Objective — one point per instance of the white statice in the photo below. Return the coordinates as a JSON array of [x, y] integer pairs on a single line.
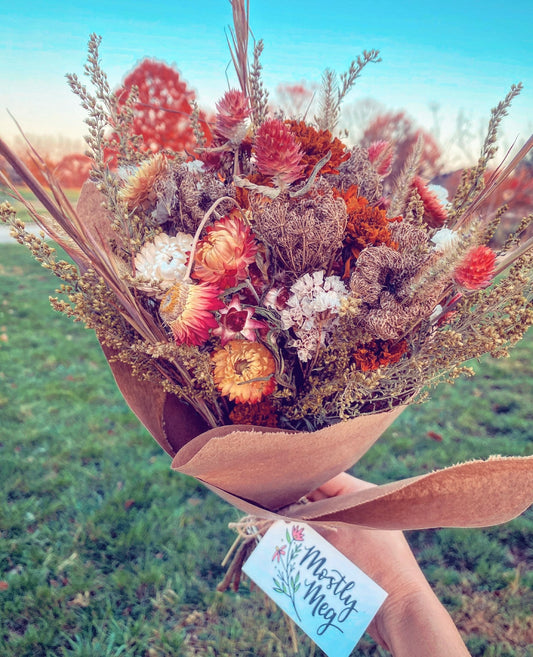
[[444, 239], [312, 311], [159, 264]]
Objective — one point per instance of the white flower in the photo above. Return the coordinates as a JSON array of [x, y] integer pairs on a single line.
[[437, 312], [163, 262], [444, 239], [312, 310]]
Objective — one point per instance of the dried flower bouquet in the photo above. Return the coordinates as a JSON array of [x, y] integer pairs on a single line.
[[268, 309]]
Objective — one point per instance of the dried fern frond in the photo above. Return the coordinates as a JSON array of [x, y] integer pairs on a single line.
[[199, 134], [109, 122], [402, 186], [472, 182], [333, 93], [258, 93]]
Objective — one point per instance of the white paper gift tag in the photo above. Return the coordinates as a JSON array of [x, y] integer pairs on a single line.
[[329, 597]]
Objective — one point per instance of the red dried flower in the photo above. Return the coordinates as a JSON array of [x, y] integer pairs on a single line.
[[380, 154], [476, 271], [366, 226], [232, 111], [236, 321], [277, 153], [434, 213], [379, 353], [223, 255], [315, 145], [260, 414]]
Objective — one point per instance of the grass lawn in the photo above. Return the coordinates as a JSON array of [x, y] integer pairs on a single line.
[[105, 552], [22, 213]]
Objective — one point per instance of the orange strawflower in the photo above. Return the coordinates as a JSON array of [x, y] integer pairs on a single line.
[[188, 310], [244, 371], [223, 255], [476, 271], [140, 187], [315, 145], [379, 353], [366, 226]]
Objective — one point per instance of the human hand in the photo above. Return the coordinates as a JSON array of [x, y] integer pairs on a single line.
[[411, 622]]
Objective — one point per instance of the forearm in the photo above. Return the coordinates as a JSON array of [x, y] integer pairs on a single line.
[[418, 627]]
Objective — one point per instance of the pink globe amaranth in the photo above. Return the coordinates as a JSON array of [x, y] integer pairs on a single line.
[[277, 153], [476, 271]]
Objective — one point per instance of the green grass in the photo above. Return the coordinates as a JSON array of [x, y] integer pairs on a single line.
[[22, 212], [104, 551]]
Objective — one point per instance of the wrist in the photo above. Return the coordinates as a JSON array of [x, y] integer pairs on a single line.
[[417, 625]]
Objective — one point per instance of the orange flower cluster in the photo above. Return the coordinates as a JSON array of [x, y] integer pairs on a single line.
[[366, 226], [379, 353], [316, 144], [260, 414]]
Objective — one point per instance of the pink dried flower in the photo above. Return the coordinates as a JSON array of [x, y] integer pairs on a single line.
[[380, 154], [236, 321], [232, 111], [276, 298], [476, 271], [188, 311], [434, 213], [277, 153]]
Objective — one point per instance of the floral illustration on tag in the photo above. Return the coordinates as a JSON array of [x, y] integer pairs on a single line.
[[287, 581]]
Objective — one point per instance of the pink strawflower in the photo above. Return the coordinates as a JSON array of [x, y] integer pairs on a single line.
[[476, 271], [380, 154], [277, 153], [434, 213], [223, 255], [236, 321], [188, 311], [233, 111]]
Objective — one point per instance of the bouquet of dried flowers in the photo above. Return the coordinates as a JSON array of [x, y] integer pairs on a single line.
[[272, 280]]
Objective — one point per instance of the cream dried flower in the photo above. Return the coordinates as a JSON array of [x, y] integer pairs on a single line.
[[445, 239], [163, 262], [312, 311]]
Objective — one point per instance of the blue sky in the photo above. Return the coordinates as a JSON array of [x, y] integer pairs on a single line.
[[458, 55]]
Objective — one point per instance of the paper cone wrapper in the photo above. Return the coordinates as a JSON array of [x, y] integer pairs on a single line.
[[265, 472]]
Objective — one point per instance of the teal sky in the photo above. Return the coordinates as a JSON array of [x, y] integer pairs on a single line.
[[460, 56]]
